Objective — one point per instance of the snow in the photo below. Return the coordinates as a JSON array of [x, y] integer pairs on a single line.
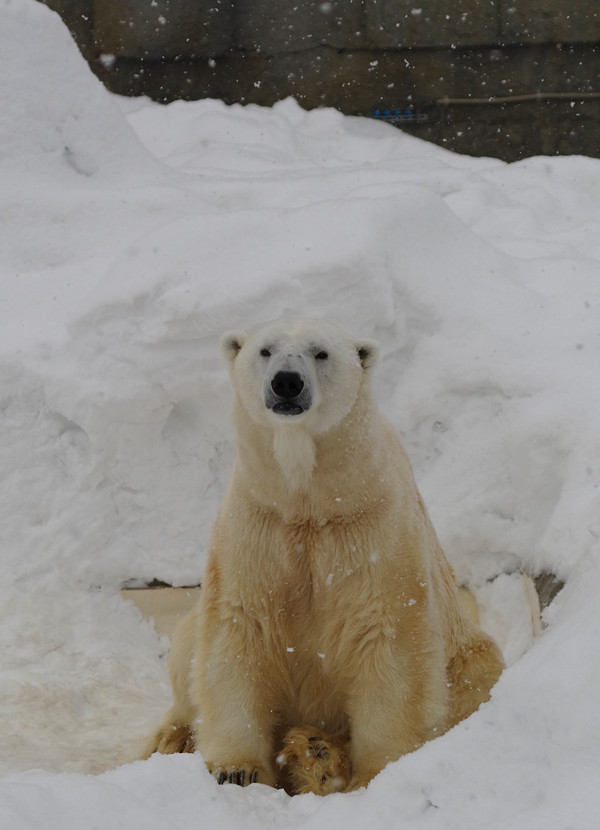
[[132, 237]]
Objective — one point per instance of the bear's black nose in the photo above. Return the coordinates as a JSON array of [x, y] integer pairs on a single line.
[[287, 385]]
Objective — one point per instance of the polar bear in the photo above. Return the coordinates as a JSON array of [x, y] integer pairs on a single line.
[[328, 639]]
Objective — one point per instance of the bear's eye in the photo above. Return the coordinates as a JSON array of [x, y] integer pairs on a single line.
[[265, 353], [321, 356]]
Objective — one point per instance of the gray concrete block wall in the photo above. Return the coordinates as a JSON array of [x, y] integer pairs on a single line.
[[157, 29], [162, 29], [396, 24], [464, 64], [550, 21], [273, 27]]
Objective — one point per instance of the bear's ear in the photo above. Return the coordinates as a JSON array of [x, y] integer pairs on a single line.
[[231, 344], [368, 352]]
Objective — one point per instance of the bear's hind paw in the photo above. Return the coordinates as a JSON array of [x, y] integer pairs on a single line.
[[171, 738], [314, 762]]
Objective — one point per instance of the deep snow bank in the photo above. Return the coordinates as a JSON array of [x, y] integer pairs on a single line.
[[124, 259]]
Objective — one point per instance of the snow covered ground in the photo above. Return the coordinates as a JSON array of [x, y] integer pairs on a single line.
[[132, 236]]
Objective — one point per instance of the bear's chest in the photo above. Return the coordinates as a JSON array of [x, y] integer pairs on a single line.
[[328, 572]]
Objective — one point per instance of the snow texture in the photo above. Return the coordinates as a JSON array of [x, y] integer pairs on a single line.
[[132, 237]]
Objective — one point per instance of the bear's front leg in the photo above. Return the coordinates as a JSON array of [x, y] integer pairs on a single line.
[[398, 705], [235, 701], [236, 747], [377, 739]]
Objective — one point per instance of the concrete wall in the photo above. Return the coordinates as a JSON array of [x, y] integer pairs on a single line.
[[461, 66]]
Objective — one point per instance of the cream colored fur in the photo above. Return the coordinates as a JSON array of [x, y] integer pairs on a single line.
[[295, 453], [327, 601]]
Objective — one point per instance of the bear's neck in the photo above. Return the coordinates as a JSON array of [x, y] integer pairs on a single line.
[[307, 477], [295, 452]]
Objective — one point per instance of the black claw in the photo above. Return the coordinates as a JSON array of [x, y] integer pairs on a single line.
[[236, 777]]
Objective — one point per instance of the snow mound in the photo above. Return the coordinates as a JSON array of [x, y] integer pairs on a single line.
[[133, 235], [54, 113]]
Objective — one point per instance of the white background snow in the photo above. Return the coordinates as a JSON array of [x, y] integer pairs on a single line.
[[132, 237]]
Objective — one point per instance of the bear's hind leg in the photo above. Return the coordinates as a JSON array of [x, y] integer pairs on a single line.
[[174, 735], [176, 732], [472, 672]]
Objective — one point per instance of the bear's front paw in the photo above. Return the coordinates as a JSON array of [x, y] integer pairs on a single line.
[[242, 776], [314, 762]]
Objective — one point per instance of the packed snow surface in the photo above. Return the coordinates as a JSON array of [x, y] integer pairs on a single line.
[[132, 237]]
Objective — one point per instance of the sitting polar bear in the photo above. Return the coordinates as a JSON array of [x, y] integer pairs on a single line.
[[329, 638]]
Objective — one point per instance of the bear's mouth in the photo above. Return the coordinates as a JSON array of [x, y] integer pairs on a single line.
[[287, 408]]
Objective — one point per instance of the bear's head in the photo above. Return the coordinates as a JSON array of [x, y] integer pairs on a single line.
[[298, 372]]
